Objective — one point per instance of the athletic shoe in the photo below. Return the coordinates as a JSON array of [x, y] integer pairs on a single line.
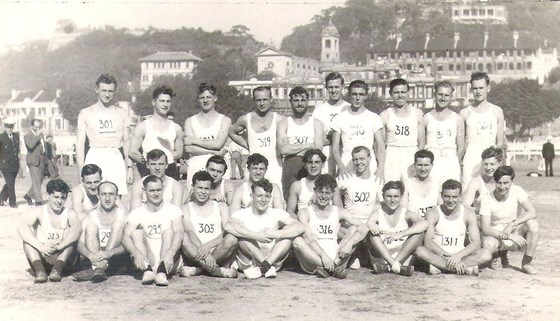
[[83, 276], [355, 264], [529, 269], [505, 263], [380, 268], [55, 276], [320, 272], [229, 273], [161, 279], [253, 272], [340, 272], [432, 270], [473, 270], [496, 263], [40, 277], [98, 276], [271, 273], [148, 277], [189, 271], [407, 270]]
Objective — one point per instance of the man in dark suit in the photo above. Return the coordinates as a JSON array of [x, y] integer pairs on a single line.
[[35, 159], [9, 163], [548, 155]]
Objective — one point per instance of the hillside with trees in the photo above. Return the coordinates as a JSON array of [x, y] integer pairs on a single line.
[[362, 23], [75, 66]]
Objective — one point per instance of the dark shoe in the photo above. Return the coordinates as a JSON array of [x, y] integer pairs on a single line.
[[340, 272], [40, 277], [13, 206], [55, 276], [380, 268], [406, 270], [320, 272], [82, 276], [28, 199], [98, 276]]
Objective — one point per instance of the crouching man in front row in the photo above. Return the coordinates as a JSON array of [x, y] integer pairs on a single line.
[[448, 226], [154, 233], [205, 245], [49, 233], [265, 234], [319, 251]]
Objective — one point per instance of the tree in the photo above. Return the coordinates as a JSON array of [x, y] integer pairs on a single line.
[[525, 104], [554, 75]]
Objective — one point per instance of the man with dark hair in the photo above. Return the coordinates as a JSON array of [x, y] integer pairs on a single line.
[[50, 157], [449, 225], [483, 184], [49, 233], [156, 161], [509, 221], [206, 132], [445, 133], [35, 159], [422, 191], [405, 132], [158, 132], [484, 125], [260, 128], [295, 135], [221, 188], [357, 126], [9, 163], [107, 128], [257, 166], [205, 244], [326, 113], [160, 235], [265, 234], [101, 238], [548, 155], [319, 251]]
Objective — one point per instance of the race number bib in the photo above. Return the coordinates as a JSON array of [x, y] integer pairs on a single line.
[[325, 231], [443, 136], [154, 231], [361, 197], [447, 240], [357, 130], [483, 127], [264, 141], [204, 228], [106, 125], [402, 130], [423, 210], [104, 235], [54, 235]]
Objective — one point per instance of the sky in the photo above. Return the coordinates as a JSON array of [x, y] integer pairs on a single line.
[[268, 20]]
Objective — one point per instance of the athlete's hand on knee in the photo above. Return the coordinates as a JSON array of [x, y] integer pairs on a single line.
[[391, 237], [453, 261], [203, 252], [44, 249], [344, 251], [518, 240], [374, 229]]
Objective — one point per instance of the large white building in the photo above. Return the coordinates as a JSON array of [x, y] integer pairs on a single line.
[[281, 64], [166, 64], [476, 12]]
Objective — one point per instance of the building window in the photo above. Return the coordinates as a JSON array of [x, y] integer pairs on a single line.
[[456, 12], [466, 12], [510, 67], [500, 66], [480, 67], [489, 67], [490, 12], [458, 67], [145, 78], [482, 12], [327, 43], [439, 67], [529, 65], [481, 53], [450, 67], [519, 66]]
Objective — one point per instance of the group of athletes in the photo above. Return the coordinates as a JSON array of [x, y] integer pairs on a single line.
[[340, 188]]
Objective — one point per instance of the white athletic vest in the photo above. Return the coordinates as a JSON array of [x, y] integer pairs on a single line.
[[263, 143], [450, 234], [104, 232], [301, 134], [324, 229], [402, 132], [360, 195], [441, 134], [421, 204], [161, 140], [87, 204], [46, 232], [305, 196], [482, 128], [206, 228], [154, 223], [386, 227]]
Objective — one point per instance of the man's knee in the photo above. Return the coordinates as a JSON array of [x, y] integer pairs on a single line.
[[532, 226], [230, 241], [490, 243], [298, 244]]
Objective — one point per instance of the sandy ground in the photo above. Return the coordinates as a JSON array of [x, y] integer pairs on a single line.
[[507, 294]]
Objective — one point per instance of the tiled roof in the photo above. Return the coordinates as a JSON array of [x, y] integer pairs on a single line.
[[276, 51], [36, 96], [171, 56], [466, 42]]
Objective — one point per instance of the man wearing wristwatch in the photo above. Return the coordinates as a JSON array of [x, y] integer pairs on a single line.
[[504, 227]]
